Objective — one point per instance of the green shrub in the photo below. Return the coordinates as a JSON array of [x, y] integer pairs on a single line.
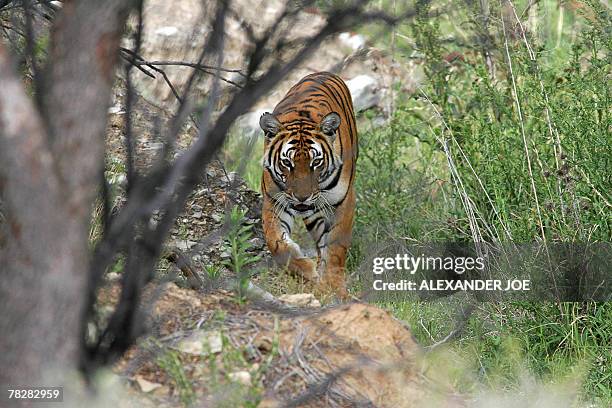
[[522, 157]]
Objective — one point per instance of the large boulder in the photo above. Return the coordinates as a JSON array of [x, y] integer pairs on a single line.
[[364, 91]]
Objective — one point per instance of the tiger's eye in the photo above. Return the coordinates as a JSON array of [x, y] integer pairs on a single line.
[[286, 163], [316, 162]]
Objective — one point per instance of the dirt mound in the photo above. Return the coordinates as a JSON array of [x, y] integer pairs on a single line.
[[232, 353], [353, 354]]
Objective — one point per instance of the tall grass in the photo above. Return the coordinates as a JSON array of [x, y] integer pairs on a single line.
[[519, 156]]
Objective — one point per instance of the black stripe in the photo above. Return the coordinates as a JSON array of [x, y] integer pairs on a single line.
[[271, 149], [335, 181], [284, 224], [320, 238], [312, 224], [348, 106]]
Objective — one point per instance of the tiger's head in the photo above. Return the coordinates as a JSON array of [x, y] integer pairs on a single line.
[[301, 159]]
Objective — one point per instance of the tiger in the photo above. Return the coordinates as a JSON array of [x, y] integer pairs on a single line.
[[310, 152]]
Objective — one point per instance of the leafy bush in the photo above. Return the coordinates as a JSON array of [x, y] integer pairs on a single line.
[[522, 156]]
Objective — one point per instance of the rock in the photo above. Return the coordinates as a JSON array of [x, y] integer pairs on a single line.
[[197, 215], [269, 402], [201, 192], [184, 245], [167, 31], [202, 343], [379, 121], [237, 78], [352, 40], [234, 178], [217, 217], [365, 92], [56, 5], [155, 147], [300, 300], [145, 385], [112, 276], [115, 110], [256, 242], [248, 124], [119, 180], [242, 377]]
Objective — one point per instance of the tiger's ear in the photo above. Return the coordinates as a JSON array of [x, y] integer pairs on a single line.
[[329, 124], [269, 124]]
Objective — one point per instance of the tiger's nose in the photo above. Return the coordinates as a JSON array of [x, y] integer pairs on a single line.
[[302, 203], [302, 198]]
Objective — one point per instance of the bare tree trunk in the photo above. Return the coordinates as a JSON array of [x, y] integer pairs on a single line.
[[51, 158]]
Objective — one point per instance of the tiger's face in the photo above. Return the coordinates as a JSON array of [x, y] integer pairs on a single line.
[[300, 159]]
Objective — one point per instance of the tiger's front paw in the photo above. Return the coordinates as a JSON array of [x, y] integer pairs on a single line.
[[334, 282], [305, 268]]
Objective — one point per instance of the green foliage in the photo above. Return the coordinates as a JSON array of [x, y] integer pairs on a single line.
[[521, 157], [244, 157], [171, 363], [238, 244], [530, 144], [213, 272], [556, 342]]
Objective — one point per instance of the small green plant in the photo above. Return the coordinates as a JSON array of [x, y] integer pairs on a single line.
[[213, 271], [172, 365], [238, 245]]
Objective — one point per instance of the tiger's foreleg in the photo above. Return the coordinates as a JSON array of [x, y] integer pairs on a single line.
[[277, 232], [333, 243]]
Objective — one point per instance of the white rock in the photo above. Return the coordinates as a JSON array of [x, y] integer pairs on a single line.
[[248, 124], [167, 31], [119, 180], [354, 41], [56, 5], [184, 244], [113, 276], [145, 385], [202, 343], [115, 110], [300, 300], [242, 377], [365, 92]]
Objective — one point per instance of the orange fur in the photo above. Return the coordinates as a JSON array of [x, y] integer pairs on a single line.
[[309, 170]]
